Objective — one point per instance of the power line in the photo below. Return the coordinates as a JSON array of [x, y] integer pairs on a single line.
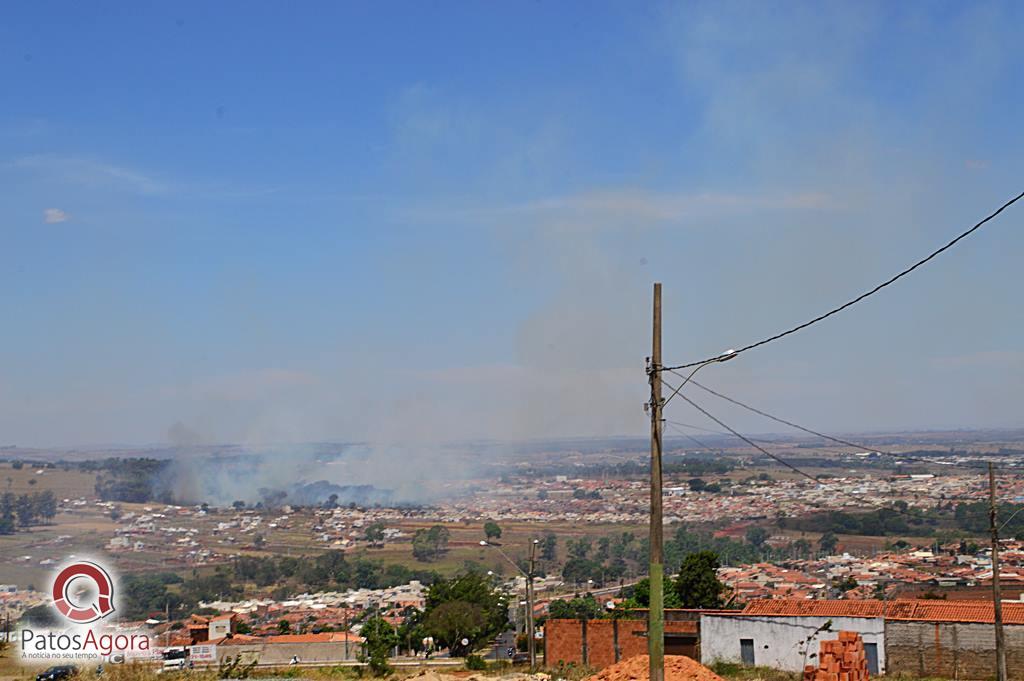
[[967, 500], [798, 471], [755, 439], [864, 295], [680, 431], [837, 440], [690, 425], [1012, 516]]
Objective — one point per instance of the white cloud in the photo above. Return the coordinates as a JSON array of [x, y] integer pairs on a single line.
[[90, 173], [52, 216]]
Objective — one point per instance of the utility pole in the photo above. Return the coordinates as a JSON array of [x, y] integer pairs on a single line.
[[346, 631], [656, 611], [997, 602], [531, 643]]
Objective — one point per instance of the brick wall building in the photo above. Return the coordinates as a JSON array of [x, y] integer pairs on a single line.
[[932, 638], [954, 639], [600, 643]]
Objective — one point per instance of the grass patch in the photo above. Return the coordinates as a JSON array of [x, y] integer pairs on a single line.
[[734, 671], [571, 672]]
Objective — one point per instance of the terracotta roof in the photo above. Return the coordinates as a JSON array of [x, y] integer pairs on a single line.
[[909, 610], [325, 637], [955, 611], [233, 640], [813, 608]]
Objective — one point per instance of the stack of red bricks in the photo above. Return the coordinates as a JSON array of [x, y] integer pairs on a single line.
[[840, 660]]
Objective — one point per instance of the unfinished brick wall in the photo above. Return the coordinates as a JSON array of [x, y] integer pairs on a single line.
[[563, 642], [840, 660], [594, 642], [951, 649]]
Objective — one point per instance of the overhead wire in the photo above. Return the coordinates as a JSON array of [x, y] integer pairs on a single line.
[[798, 471], [847, 443], [864, 295], [1012, 516], [810, 449], [689, 437], [755, 439]]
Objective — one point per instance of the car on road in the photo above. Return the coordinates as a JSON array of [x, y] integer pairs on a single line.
[[170, 666], [58, 673]]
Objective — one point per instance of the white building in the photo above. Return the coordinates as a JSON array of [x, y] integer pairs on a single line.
[[785, 634]]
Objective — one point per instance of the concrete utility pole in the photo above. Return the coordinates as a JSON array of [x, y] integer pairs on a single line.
[[997, 599], [656, 612], [531, 642]]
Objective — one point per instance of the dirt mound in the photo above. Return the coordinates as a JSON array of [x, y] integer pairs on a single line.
[[677, 668]]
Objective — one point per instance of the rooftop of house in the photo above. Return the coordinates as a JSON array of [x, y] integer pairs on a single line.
[[907, 610]]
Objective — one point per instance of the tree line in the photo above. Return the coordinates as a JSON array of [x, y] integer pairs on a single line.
[[22, 511]]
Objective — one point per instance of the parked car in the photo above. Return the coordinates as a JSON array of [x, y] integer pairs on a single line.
[[172, 666], [58, 673]]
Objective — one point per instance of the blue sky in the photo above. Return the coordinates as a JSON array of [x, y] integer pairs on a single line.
[[426, 221]]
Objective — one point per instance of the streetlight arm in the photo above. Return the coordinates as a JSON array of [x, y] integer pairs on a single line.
[[503, 555]]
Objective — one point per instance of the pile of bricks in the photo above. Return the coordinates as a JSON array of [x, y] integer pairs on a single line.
[[840, 660]]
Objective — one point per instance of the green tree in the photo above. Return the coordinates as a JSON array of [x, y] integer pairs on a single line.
[[284, 626], [375, 534], [801, 548], [846, 584], [466, 606], [828, 543], [757, 536], [548, 546], [584, 607], [579, 548], [452, 623], [25, 510], [380, 639], [430, 544], [43, 615], [641, 596], [492, 530], [146, 594], [580, 570], [697, 585]]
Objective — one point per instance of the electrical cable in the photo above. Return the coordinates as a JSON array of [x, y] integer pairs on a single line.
[[1012, 516], [860, 500], [864, 295], [966, 500], [837, 440], [680, 431]]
